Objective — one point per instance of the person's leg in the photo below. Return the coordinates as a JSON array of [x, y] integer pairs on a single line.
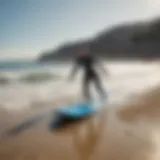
[[85, 88], [99, 87]]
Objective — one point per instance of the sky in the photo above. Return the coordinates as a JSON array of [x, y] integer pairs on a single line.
[[29, 27]]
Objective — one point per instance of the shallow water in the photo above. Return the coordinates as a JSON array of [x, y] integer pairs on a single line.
[[124, 79], [108, 135]]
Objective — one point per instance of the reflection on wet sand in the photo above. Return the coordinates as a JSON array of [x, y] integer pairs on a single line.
[[110, 135], [85, 146], [86, 137], [128, 141]]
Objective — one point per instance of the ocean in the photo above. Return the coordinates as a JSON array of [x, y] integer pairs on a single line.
[[28, 71], [17, 66], [26, 84]]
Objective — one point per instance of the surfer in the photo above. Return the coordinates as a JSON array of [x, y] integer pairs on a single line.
[[85, 60]]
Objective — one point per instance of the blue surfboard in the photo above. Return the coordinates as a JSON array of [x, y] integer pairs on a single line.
[[75, 112]]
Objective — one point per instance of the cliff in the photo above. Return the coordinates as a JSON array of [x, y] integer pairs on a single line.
[[139, 40]]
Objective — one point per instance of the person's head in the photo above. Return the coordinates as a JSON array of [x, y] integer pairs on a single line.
[[83, 50]]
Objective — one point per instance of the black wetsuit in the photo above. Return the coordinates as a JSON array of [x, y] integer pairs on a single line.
[[90, 75]]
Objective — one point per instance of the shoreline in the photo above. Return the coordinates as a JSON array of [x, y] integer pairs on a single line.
[[129, 130], [119, 133]]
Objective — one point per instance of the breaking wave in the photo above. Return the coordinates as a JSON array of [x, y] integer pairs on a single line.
[[33, 77]]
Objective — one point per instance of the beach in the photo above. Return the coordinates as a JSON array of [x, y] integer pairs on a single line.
[[126, 128]]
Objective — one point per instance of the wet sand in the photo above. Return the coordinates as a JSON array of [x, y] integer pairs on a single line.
[[130, 132]]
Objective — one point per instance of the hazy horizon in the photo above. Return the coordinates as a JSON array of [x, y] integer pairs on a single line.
[[30, 27]]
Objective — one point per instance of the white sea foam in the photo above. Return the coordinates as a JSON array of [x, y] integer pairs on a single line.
[[124, 79]]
